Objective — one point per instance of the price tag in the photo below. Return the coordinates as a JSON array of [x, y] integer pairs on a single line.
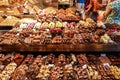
[[69, 65], [17, 34], [44, 56], [106, 64], [34, 29], [51, 65], [2, 66], [74, 58], [72, 62], [30, 35], [103, 54], [47, 30], [84, 66]]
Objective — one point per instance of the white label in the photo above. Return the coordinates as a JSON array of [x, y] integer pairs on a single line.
[[103, 54], [30, 35], [44, 56], [69, 65], [51, 65], [1, 66], [17, 34], [47, 30], [84, 66], [106, 64]]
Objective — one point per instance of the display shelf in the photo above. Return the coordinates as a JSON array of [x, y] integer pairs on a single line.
[[20, 15], [5, 27], [25, 16], [75, 20], [61, 48]]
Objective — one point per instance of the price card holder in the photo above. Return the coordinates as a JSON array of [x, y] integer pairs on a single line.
[[84, 66], [106, 64], [51, 65], [68, 65], [44, 57], [103, 54]]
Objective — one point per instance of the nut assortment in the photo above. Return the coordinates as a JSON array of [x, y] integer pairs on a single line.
[[104, 59], [105, 72], [82, 59], [115, 71], [57, 73], [50, 29], [60, 67], [19, 73], [92, 59], [44, 72], [114, 59], [68, 14], [62, 33], [9, 69]]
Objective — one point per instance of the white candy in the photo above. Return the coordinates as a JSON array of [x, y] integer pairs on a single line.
[[23, 26], [37, 25]]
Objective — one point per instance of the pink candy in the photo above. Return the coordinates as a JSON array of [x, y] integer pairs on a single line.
[[30, 25]]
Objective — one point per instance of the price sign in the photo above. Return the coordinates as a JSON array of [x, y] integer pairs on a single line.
[[51, 65], [103, 54], [106, 64], [84, 66]]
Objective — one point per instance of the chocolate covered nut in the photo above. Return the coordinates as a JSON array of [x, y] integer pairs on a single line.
[[9, 69]]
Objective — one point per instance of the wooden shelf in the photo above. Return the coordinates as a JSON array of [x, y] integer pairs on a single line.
[[5, 27], [20, 15], [61, 48]]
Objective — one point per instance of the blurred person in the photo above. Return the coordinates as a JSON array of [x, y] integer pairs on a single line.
[[87, 2], [81, 8], [80, 5], [112, 12], [104, 2], [93, 9]]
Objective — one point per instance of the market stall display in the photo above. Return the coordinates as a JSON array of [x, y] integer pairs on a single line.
[[61, 66], [40, 33], [60, 32], [48, 31]]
